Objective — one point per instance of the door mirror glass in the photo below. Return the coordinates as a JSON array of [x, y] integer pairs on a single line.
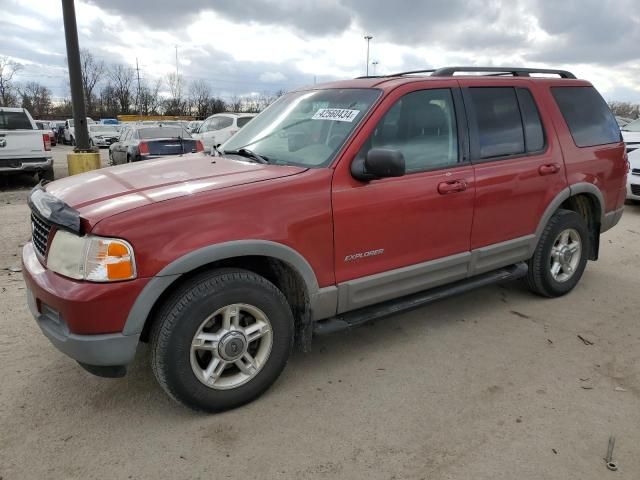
[[379, 163]]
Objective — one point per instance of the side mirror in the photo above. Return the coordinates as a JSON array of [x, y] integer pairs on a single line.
[[379, 163]]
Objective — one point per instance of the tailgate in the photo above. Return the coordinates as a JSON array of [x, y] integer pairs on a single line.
[[170, 146], [22, 144]]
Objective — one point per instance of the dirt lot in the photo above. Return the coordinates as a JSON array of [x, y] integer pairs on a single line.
[[495, 384]]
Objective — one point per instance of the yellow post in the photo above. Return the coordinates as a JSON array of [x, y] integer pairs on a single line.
[[80, 162]]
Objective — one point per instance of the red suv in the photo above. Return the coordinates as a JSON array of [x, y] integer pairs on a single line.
[[338, 204]]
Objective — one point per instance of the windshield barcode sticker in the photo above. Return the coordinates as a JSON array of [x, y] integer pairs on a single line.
[[338, 114]]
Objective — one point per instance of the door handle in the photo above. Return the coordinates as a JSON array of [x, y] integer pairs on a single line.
[[451, 186], [549, 169]]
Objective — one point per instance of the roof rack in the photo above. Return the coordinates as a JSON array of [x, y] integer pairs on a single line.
[[494, 71]]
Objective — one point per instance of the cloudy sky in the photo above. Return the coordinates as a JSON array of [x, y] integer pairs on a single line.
[[244, 46]]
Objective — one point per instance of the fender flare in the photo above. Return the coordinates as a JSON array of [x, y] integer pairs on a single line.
[[241, 248], [559, 199]]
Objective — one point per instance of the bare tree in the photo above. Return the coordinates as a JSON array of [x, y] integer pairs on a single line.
[[92, 73], [150, 100], [200, 95], [122, 77], [174, 105], [625, 109], [235, 103], [36, 98], [8, 69]]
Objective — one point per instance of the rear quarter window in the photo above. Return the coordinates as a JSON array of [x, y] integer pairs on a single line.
[[587, 115]]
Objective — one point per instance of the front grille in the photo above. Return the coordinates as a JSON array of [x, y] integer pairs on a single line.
[[635, 171], [40, 229], [635, 189]]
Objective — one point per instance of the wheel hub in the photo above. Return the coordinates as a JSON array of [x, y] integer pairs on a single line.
[[566, 255], [232, 346]]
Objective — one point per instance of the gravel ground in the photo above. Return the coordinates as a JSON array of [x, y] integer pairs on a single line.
[[494, 384]]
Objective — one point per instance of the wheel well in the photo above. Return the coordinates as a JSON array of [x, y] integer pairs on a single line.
[[588, 207], [280, 273]]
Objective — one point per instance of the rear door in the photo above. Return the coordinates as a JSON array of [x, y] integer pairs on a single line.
[[518, 168]]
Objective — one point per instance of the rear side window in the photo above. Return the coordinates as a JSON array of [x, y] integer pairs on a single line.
[[587, 115], [14, 121], [242, 121], [499, 124]]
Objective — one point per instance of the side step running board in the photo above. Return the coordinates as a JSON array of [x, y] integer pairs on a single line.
[[410, 302]]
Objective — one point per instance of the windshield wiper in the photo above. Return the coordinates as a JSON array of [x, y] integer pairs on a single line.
[[245, 152]]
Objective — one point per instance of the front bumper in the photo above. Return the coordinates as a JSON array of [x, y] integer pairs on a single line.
[[79, 317], [25, 164]]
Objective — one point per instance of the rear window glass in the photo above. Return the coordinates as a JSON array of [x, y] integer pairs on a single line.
[[14, 121], [162, 132], [242, 121], [587, 115]]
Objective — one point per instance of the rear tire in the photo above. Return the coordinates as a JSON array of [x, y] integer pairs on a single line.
[[560, 256], [189, 339], [46, 175], [73, 142]]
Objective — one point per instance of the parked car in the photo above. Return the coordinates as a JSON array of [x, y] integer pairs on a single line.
[[103, 135], [109, 121], [220, 127], [193, 126], [631, 135], [142, 142], [69, 130], [46, 126], [23, 147], [338, 204], [622, 121], [633, 179], [58, 128]]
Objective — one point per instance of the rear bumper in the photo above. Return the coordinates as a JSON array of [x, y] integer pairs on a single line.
[[83, 320], [25, 164]]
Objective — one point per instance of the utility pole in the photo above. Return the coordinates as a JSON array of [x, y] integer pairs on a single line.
[[75, 75], [368, 39], [139, 100], [176, 63], [374, 63]]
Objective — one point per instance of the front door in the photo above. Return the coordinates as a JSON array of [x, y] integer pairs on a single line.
[[396, 236]]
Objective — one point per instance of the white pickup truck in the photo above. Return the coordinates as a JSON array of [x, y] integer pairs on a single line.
[[70, 131], [24, 148]]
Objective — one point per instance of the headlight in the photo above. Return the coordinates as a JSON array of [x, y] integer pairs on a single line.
[[96, 259]]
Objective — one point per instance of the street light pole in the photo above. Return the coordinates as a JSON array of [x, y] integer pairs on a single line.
[[375, 64], [75, 75], [368, 39]]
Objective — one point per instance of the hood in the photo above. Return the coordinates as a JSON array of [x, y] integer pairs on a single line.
[[101, 193]]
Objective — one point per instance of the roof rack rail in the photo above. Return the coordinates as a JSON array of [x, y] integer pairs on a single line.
[[493, 71], [497, 71]]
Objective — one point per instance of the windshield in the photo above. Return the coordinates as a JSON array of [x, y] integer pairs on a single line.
[[103, 129], [162, 132], [305, 128], [633, 126]]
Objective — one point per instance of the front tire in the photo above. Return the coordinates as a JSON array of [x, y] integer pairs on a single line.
[[560, 256], [221, 340]]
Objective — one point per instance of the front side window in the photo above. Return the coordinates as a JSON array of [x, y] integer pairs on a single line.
[[305, 128], [587, 115], [422, 126], [499, 125]]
